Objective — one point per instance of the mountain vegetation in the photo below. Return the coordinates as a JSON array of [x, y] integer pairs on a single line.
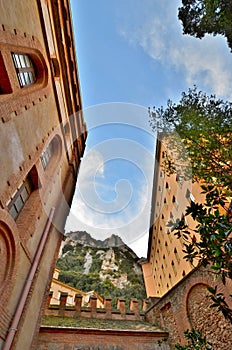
[[109, 267]]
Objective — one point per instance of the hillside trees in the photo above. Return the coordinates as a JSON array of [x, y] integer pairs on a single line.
[[200, 17], [71, 263]]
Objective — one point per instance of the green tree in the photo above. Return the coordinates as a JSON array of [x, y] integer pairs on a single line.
[[198, 127], [203, 124], [200, 17], [195, 341]]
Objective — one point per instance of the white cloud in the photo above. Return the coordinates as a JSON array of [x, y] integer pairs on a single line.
[[92, 166], [132, 225], [126, 215], [205, 62]]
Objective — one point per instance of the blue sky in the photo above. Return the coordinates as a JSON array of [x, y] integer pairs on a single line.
[[132, 54]]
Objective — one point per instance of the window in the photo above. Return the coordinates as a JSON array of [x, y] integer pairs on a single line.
[[165, 262], [190, 196], [174, 268], [20, 197], [47, 155], [177, 255], [24, 68], [179, 179], [175, 202], [168, 188], [166, 245]]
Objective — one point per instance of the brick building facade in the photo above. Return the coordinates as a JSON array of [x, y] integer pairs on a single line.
[[172, 193], [42, 138], [178, 291]]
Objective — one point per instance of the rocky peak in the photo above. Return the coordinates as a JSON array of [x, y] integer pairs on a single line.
[[85, 239], [113, 241], [110, 267]]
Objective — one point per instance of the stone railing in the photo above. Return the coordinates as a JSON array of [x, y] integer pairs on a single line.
[[91, 311]]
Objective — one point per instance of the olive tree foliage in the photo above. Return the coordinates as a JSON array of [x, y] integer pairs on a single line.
[[200, 17], [203, 124]]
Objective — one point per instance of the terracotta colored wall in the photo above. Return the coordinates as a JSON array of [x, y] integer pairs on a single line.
[[97, 340], [186, 306], [30, 118]]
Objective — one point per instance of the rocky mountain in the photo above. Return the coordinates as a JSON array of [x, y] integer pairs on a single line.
[[109, 267], [86, 239]]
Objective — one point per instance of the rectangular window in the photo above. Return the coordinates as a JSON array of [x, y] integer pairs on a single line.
[[190, 196], [177, 255], [168, 188], [167, 247], [180, 179], [47, 155], [24, 68], [174, 268], [20, 197]]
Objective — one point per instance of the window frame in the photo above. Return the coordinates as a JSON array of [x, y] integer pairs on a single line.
[[25, 68], [47, 155], [20, 197]]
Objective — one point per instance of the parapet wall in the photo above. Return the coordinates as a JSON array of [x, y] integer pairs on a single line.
[[91, 311]]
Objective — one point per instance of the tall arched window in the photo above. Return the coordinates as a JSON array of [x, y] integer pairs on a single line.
[[51, 155], [24, 68], [47, 154]]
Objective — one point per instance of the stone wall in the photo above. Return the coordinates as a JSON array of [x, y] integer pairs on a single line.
[[107, 312], [67, 327], [72, 339], [187, 306]]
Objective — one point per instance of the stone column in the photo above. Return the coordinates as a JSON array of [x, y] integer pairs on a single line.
[[121, 306], [108, 307], [134, 306], [78, 304]]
